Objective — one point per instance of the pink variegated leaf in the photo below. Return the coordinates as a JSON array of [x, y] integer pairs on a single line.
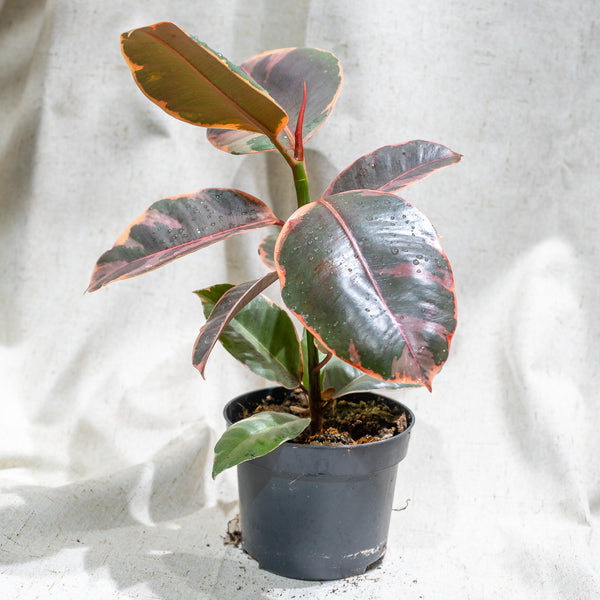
[[283, 73], [192, 82], [392, 168], [266, 249], [261, 335], [224, 311], [174, 227], [374, 286]]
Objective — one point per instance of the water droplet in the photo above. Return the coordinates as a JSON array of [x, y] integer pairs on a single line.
[[415, 262], [395, 250], [419, 256]]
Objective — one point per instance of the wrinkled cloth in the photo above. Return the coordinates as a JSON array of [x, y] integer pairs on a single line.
[[107, 430]]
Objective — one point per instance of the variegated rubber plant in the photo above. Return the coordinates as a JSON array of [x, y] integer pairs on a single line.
[[361, 269]]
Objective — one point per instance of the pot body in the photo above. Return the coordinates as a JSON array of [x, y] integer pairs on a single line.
[[318, 512]]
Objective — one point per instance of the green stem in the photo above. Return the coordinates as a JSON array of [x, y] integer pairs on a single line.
[[301, 183], [313, 367], [315, 402]]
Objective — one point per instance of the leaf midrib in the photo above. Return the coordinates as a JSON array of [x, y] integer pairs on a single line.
[[259, 344], [358, 252], [139, 262], [261, 126]]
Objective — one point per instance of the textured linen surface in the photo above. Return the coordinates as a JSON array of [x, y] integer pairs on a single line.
[[107, 430]]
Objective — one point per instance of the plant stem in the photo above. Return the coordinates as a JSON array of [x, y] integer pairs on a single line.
[[291, 161], [313, 367], [301, 183], [315, 403]]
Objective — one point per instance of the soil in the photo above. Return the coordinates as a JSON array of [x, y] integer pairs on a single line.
[[233, 537], [347, 421]]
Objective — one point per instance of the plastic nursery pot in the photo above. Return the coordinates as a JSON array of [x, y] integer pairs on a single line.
[[318, 512]]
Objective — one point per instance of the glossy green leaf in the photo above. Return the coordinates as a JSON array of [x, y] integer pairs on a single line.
[[193, 83], [283, 74], [346, 379], [228, 306], [392, 168], [365, 273], [174, 227], [255, 436], [266, 249], [261, 336]]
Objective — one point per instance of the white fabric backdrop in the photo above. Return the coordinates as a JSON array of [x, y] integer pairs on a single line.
[[106, 431]]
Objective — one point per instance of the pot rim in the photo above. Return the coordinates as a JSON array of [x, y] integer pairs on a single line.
[[340, 447]]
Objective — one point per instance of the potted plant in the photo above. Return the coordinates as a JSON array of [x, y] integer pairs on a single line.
[[361, 270]]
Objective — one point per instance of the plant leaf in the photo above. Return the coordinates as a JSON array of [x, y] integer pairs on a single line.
[[346, 379], [365, 272], [255, 436], [176, 226], [229, 305], [193, 83], [391, 168], [266, 249], [282, 73], [261, 336]]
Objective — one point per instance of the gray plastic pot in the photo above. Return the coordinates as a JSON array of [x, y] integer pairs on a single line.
[[318, 512]]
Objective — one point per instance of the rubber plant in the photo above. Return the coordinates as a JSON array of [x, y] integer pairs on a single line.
[[361, 269]]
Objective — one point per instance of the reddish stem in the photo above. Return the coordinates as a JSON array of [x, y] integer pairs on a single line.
[[299, 146], [323, 362]]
